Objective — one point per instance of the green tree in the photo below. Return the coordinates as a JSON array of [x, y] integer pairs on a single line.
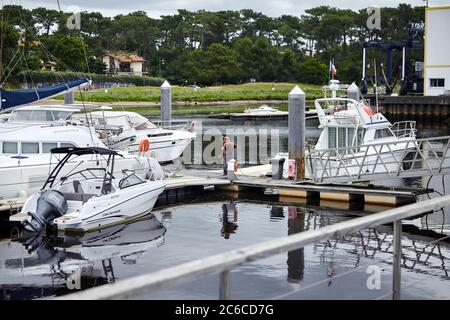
[[312, 71], [217, 64], [70, 54]]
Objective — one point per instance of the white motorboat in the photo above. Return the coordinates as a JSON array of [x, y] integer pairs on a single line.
[[264, 110], [90, 198], [166, 144]]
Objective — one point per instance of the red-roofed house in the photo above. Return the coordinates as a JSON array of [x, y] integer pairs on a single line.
[[122, 63]]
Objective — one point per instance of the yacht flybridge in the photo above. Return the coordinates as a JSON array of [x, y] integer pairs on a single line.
[[92, 197]]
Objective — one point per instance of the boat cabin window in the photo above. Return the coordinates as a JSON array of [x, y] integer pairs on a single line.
[[383, 133], [47, 146], [10, 147], [39, 115], [30, 147], [343, 137], [67, 145]]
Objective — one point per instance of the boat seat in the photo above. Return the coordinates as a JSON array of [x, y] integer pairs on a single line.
[[78, 196]]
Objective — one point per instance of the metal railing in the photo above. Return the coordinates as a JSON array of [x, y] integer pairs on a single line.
[[175, 124], [399, 159], [223, 262], [404, 129]]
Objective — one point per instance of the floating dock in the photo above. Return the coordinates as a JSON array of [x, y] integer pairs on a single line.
[[257, 180]]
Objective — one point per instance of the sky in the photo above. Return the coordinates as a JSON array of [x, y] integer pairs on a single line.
[[156, 8]]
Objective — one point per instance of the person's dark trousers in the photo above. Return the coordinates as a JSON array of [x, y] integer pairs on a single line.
[[225, 168]]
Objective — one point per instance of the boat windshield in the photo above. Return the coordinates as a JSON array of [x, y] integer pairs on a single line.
[[141, 123], [40, 115], [331, 107], [86, 174]]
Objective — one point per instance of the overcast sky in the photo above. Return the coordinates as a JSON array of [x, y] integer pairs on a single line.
[[156, 8]]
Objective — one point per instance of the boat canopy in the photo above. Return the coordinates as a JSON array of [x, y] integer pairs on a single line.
[[10, 99], [83, 151]]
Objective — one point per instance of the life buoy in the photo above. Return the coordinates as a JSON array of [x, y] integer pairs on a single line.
[[144, 145], [368, 110]]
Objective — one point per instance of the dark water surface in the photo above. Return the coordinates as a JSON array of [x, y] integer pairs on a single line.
[[335, 269]]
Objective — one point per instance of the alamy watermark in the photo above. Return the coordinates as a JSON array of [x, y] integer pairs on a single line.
[[74, 21], [373, 282], [374, 20]]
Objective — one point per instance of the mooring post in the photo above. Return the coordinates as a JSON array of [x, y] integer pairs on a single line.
[[397, 263], [166, 102], [224, 288], [296, 142], [353, 92], [69, 97]]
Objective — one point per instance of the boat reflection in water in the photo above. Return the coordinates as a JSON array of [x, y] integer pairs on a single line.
[[37, 266]]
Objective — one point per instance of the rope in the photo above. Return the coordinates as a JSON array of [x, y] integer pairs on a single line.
[[84, 108]]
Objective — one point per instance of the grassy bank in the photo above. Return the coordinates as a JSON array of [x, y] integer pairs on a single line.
[[248, 91]]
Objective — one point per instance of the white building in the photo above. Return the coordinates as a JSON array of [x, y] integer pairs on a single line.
[[437, 49], [124, 63]]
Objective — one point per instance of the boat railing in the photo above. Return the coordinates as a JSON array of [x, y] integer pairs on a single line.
[[404, 129], [223, 263], [396, 159], [175, 124]]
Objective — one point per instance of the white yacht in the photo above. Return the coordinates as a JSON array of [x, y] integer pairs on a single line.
[[356, 137], [165, 144], [90, 198]]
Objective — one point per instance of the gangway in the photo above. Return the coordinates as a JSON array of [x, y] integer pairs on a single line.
[[379, 161]]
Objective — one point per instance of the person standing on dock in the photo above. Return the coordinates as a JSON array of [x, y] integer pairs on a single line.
[[228, 153]]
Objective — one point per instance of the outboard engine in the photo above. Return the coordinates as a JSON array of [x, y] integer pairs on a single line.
[[50, 205]]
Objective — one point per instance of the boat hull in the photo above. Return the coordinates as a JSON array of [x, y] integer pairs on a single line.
[[115, 208], [164, 150]]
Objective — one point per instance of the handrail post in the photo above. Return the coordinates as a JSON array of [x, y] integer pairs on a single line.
[[397, 263], [224, 288]]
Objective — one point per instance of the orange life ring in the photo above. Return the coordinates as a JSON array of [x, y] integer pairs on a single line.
[[369, 110], [144, 145]]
